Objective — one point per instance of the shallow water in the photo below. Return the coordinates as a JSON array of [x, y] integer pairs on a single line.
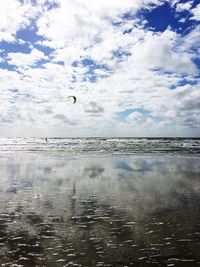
[[99, 211]]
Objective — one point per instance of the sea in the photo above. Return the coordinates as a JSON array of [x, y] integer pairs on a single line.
[[99, 202], [102, 146]]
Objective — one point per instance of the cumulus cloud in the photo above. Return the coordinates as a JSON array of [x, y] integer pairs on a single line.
[[184, 6], [160, 51], [196, 12], [94, 109], [80, 21], [110, 62], [25, 59], [135, 117], [64, 119], [15, 15]]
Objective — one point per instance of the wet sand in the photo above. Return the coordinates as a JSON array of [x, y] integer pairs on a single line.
[[99, 211]]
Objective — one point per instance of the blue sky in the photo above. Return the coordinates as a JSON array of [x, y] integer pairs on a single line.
[[134, 67]]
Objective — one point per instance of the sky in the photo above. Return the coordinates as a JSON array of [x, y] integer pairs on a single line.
[[134, 66]]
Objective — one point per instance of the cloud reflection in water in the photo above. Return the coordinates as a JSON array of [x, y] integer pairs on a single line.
[[103, 211]]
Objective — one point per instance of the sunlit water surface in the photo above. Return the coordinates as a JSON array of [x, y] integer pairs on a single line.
[[99, 211]]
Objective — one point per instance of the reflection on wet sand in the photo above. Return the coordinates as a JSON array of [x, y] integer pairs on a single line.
[[103, 211]]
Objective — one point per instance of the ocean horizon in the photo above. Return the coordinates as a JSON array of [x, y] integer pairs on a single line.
[[103, 145]]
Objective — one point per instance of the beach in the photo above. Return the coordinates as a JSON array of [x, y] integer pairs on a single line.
[[58, 209], [99, 133]]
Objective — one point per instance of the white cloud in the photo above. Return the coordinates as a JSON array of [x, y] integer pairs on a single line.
[[184, 6], [135, 118], [140, 68], [14, 16], [182, 20], [25, 59], [80, 22], [160, 51], [190, 43], [196, 12]]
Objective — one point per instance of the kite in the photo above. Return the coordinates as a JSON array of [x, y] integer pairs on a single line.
[[74, 98]]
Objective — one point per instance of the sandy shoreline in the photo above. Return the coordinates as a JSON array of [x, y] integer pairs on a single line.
[[99, 211]]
